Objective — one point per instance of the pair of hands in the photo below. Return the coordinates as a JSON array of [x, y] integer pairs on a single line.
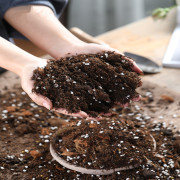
[[83, 48], [39, 24]]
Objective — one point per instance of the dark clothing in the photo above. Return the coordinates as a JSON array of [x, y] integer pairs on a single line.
[[7, 31]]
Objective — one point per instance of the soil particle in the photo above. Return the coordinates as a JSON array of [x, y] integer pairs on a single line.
[[23, 129], [176, 144], [167, 132], [35, 154], [45, 131], [167, 98], [147, 174]]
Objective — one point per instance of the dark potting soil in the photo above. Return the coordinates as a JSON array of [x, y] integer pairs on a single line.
[[106, 144], [26, 129], [91, 83]]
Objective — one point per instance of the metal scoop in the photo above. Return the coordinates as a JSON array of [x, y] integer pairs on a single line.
[[145, 64]]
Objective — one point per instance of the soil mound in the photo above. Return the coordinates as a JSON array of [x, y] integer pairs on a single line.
[[92, 83]]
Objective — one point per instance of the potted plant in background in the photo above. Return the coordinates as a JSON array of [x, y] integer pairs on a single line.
[[161, 13]]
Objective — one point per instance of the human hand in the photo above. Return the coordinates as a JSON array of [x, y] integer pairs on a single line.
[[81, 48], [28, 84]]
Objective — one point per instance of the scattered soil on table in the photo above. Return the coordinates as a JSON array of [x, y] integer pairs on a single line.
[[91, 83], [26, 156], [106, 144]]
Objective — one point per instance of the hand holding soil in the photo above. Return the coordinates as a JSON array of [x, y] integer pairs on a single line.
[[87, 85], [44, 99], [91, 83], [27, 83]]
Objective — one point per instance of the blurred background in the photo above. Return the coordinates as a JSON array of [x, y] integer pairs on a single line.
[[98, 16]]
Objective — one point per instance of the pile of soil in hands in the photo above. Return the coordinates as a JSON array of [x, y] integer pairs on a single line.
[[26, 129], [91, 83], [106, 144]]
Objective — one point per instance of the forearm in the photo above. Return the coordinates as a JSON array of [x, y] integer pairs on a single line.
[[39, 24], [13, 58]]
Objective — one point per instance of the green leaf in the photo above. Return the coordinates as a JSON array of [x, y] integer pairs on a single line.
[[161, 13]]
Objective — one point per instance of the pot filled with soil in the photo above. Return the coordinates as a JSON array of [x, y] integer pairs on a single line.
[[101, 147]]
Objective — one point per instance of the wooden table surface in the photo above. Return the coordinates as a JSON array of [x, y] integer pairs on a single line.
[[148, 38]]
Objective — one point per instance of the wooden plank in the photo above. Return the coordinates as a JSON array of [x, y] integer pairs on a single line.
[[148, 38]]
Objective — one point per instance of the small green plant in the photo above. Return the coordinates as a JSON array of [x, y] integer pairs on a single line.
[[161, 13]]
